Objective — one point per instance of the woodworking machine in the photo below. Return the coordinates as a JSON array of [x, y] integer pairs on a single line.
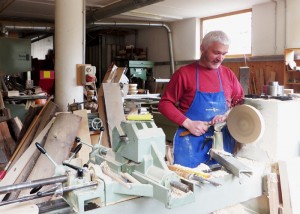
[[135, 168], [137, 154]]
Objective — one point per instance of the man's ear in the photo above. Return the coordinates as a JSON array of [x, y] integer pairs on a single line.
[[201, 48]]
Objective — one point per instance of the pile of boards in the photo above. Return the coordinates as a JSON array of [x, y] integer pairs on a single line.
[[56, 132]]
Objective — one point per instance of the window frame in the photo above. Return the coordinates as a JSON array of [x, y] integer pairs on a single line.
[[220, 16]]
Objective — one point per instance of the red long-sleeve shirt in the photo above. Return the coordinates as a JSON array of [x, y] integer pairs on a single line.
[[181, 89]]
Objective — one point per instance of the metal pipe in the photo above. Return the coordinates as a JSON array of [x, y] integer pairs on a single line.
[[141, 24], [13, 26], [32, 184], [24, 26], [65, 189], [275, 27], [83, 31]]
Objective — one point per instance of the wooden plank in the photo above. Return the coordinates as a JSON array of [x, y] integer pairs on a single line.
[[244, 78], [15, 125], [272, 76], [4, 153], [58, 145], [17, 174], [7, 139], [112, 75], [102, 115], [254, 85], [273, 193], [23, 207], [290, 185], [257, 82], [29, 118], [44, 115], [261, 79], [84, 135], [113, 106]]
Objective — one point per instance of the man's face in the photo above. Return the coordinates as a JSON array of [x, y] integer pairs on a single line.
[[213, 56]]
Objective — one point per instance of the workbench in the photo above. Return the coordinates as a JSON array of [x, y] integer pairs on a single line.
[[208, 198], [280, 140]]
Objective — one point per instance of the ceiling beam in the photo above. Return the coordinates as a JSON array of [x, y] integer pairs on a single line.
[[118, 8], [5, 4]]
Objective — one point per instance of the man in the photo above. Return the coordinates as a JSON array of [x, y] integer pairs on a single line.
[[198, 96]]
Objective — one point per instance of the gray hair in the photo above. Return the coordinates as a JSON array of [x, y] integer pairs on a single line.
[[215, 36]]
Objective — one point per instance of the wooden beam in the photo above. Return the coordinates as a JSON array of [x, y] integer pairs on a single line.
[[84, 135], [58, 145], [23, 166], [289, 182], [44, 116], [273, 192], [113, 106]]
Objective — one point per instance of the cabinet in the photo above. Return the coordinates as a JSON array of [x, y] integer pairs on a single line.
[[129, 53], [292, 69]]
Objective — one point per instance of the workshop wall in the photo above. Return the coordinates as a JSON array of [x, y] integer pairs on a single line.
[[156, 43], [186, 39], [185, 34], [264, 30], [271, 23], [292, 24], [268, 29]]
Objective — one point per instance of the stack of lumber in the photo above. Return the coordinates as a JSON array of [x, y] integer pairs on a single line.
[[259, 78], [56, 132], [283, 189]]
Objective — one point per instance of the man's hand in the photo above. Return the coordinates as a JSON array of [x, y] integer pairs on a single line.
[[218, 119], [196, 128]]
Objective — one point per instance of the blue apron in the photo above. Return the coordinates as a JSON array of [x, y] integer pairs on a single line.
[[189, 150]]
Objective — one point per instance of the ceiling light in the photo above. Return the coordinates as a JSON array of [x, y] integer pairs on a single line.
[[150, 15], [142, 15]]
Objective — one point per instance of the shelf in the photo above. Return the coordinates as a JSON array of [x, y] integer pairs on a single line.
[[292, 76], [293, 71], [293, 83]]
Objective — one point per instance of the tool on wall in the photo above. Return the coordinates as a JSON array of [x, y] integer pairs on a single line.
[[88, 74]]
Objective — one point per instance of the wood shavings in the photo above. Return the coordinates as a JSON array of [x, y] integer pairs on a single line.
[[176, 193]]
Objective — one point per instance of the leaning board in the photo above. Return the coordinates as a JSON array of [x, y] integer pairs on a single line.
[[290, 185]]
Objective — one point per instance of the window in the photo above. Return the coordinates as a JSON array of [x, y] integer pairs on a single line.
[[236, 25]]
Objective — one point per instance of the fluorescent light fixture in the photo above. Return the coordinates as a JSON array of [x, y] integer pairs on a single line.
[[142, 15], [150, 15]]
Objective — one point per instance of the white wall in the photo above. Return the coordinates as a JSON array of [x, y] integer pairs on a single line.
[[186, 39], [273, 29], [292, 24], [185, 36], [268, 29], [263, 30], [40, 48]]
